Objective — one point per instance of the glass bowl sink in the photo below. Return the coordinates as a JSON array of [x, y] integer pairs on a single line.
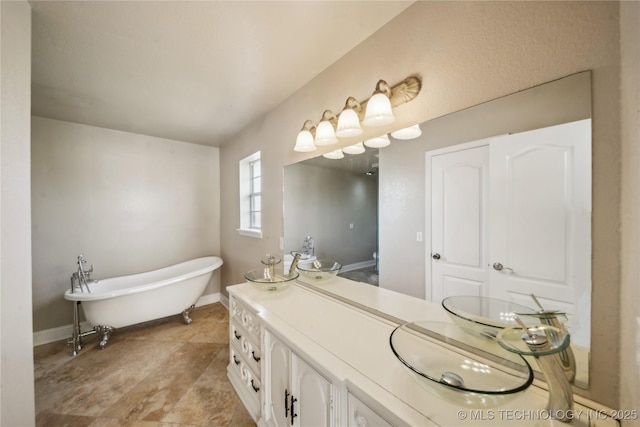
[[487, 315], [439, 355], [319, 270], [513, 339], [270, 280]]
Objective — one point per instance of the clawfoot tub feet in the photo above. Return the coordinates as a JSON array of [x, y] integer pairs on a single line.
[[186, 313], [106, 334]]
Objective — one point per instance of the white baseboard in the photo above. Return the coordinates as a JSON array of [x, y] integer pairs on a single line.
[[56, 334], [64, 332], [208, 299], [224, 300], [358, 265]]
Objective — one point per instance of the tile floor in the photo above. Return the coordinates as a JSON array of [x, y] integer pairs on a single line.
[[367, 275], [158, 374]]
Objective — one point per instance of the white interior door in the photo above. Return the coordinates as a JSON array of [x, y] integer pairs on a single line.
[[541, 220], [459, 221]]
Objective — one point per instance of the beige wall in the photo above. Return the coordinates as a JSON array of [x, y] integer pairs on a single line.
[[130, 203], [466, 53], [16, 344], [630, 219]]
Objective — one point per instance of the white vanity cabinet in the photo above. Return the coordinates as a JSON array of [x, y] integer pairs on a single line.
[[245, 356], [361, 415], [303, 358], [296, 393]]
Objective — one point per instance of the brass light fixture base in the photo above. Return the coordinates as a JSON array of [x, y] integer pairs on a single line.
[[405, 91]]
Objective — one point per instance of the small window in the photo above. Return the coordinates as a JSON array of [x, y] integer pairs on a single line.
[[251, 196], [254, 195]]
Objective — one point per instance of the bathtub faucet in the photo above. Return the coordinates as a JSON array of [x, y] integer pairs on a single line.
[[82, 276], [79, 282]]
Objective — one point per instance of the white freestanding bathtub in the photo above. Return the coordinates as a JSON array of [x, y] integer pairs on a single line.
[[121, 301]]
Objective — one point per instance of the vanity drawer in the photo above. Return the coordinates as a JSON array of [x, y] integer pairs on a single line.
[[361, 415], [248, 349], [246, 317], [250, 380]]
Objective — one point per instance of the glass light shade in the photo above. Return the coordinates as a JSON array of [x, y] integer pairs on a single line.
[[348, 124], [354, 149], [407, 133], [304, 142], [334, 155], [378, 111], [325, 135], [378, 142]]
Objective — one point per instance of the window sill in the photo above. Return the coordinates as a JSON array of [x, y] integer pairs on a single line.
[[250, 233]]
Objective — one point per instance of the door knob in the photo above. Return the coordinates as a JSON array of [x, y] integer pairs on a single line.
[[435, 256], [498, 266]]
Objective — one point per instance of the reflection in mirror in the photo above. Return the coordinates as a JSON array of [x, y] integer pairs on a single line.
[[390, 215], [335, 206]]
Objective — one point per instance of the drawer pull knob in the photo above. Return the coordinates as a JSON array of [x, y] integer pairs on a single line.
[[237, 335], [361, 421], [286, 403], [292, 410], [235, 360], [256, 389], [253, 354]]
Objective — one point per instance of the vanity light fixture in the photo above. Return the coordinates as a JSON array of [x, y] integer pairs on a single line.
[[304, 141], [378, 112], [378, 141], [354, 149], [407, 133], [334, 155], [325, 131], [348, 121]]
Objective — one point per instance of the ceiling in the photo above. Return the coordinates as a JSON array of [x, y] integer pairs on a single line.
[[194, 71]]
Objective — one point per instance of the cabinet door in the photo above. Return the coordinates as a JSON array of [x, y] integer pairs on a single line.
[[278, 382], [313, 394]]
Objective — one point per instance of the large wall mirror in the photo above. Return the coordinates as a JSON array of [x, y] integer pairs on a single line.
[[372, 211]]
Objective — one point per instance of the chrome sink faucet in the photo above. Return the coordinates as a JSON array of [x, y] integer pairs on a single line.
[[565, 357], [270, 261], [560, 404], [294, 263]]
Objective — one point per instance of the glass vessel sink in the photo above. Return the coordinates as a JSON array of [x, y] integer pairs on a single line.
[[319, 270], [438, 354], [513, 339], [488, 315], [269, 279]]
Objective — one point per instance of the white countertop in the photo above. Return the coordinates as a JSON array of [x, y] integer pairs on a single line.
[[353, 345]]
